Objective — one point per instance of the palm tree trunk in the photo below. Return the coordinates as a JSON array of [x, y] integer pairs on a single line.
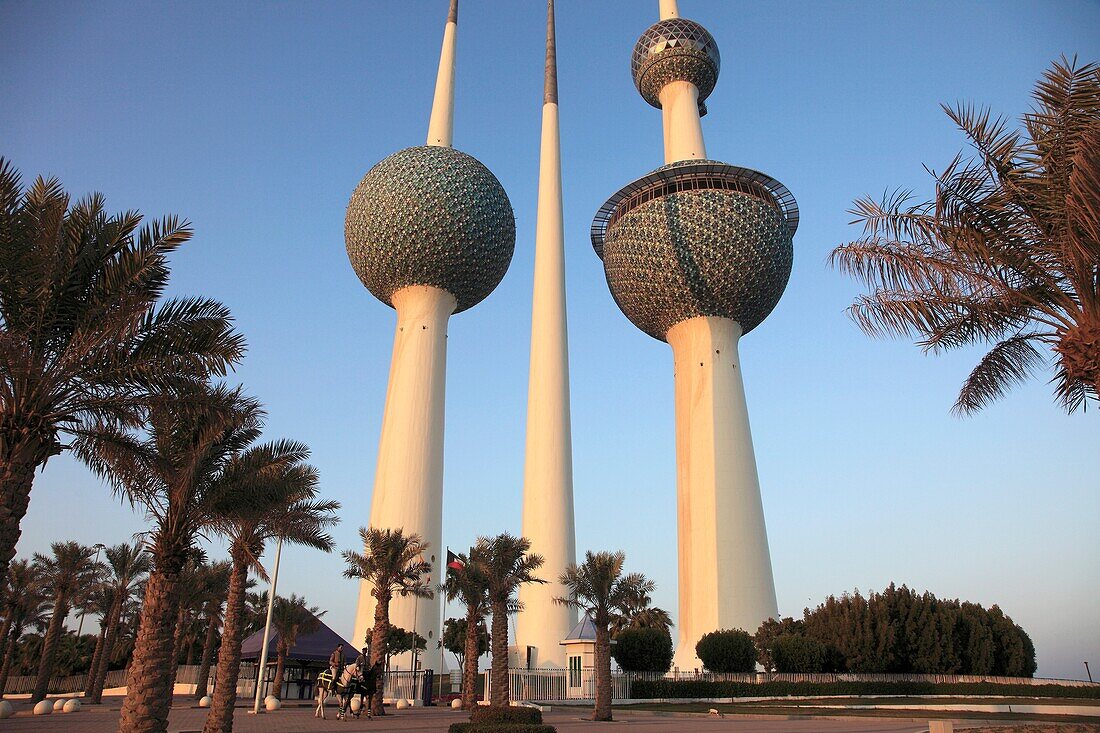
[[93, 666], [177, 643], [9, 658], [100, 678], [220, 718], [149, 683], [378, 648], [602, 710], [22, 451], [49, 649], [499, 694], [469, 662], [207, 657], [280, 665]]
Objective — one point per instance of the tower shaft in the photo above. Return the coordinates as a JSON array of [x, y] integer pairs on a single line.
[[724, 564], [682, 126], [441, 124], [548, 469], [408, 480]]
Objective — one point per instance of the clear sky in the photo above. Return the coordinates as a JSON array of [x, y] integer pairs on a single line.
[[256, 121]]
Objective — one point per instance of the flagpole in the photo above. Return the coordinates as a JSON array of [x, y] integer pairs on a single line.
[[260, 673]]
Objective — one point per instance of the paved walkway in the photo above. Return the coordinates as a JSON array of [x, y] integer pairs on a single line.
[[186, 717]]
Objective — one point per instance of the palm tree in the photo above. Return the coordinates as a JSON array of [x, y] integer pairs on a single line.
[[67, 574], [506, 564], [638, 613], [171, 471], [24, 604], [81, 336], [215, 590], [469, 585], [189, 604], [391, 562], [268, 491], [1006, 252], [599, 589], [127, 564], [291, 618]]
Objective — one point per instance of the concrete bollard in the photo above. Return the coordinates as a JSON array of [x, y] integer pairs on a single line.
[[72, 705], [6, 710], [43, 707]]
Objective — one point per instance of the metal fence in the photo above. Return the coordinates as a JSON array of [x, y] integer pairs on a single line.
[[24, 684], [548, 685]]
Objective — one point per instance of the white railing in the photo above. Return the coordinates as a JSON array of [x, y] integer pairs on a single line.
[[547, 685]]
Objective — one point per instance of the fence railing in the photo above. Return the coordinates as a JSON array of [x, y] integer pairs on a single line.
[[24, 684], [547, 685]]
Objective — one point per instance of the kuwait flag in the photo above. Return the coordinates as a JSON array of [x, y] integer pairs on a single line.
[[453, 563]]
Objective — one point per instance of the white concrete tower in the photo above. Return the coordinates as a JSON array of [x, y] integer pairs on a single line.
[[430, 232], [548, 471], [697, 253]]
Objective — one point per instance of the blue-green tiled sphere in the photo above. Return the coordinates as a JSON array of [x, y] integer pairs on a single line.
[[676, 49], [430, 216], [698, 252]]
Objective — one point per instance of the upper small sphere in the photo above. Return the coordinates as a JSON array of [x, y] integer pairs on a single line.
[[675, 50], [430, 216]]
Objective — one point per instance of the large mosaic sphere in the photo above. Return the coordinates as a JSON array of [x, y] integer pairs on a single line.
[[430, 216], [675, 50], [697, 238]]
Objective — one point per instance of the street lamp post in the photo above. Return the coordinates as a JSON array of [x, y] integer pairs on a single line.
[[267, 625], [99, 546], [1088, 672]]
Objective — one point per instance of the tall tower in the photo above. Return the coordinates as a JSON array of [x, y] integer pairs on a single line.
[[430, 232], [697, 253], [548, 472]]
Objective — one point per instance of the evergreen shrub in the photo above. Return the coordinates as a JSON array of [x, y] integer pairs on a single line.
[[727, 650], [511, 714], [673, 689], [643, 650]]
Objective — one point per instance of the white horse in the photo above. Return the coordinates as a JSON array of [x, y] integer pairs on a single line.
[[327, 685]]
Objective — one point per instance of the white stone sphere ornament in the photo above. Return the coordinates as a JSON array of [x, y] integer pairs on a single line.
[[456, 703], [72, 705], [58, 704], [271, 703], [6, 710], [44, 707], [204, 701], [402, 704]]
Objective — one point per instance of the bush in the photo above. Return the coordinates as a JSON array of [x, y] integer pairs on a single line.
[[728, 650], [511, 714], [667, 688], [500, 728], [643, 650], [793, 653]]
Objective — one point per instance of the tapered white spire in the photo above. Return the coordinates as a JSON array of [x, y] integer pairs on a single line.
[[669, 9], [441, 125], [548, 470]]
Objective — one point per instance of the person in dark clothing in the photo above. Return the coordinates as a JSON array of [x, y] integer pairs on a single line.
[[336, 661]]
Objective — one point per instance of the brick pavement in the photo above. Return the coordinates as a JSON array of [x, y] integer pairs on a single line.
[[188, 717]]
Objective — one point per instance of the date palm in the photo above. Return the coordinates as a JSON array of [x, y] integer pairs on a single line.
[[598, 588], [267, 491], [25, 604], [639, 613], [127, 566], [506, 563], [469, 585], [170, 469], [82, 337], [214, 591], [67, 574], [291, 618], [1007, 251], [392, 563]]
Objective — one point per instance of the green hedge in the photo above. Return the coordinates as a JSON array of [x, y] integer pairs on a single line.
[[500, 728], [511, 714], [650, 689]]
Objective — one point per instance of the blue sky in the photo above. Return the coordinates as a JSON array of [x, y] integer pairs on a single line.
[[256, 121]]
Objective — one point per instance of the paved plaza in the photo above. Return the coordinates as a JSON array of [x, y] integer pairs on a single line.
[[187, 717]]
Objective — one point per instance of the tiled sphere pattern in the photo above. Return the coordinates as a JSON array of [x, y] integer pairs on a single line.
[[430, 216], [675, 50], [698, 253]]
